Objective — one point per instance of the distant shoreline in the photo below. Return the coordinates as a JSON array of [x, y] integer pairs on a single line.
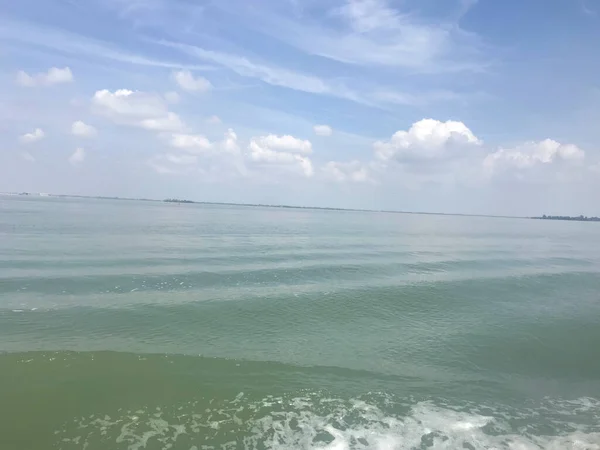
[[571, 218], [320, 208], [260, 205]]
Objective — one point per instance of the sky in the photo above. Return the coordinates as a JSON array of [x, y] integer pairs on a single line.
[[454, 106]]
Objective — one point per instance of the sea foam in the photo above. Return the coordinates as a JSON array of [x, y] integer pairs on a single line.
[[316, 422]]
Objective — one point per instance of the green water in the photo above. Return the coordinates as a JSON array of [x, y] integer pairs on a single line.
[[143, 325]]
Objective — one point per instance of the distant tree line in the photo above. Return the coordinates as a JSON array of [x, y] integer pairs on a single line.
[[176, 200], [577, 218]]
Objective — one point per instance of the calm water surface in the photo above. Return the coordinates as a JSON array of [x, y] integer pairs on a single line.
[[143, 325]]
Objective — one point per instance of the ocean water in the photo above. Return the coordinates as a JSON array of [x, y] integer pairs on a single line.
[[145, 325]]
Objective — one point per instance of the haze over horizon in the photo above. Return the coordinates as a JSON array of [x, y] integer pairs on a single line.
[[464, 106]]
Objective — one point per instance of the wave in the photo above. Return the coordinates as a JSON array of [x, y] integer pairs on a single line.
[[314, 420]]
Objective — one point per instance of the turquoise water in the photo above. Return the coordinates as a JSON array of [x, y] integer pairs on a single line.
[[144, 325]]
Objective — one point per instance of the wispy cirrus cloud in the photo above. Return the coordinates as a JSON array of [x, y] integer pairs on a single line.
[[281, 77], [585, 7], [243, 66], [25, 33], [372, 33], [352, 88]]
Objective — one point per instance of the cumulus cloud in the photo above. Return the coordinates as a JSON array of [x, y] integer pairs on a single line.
[[427, 153], [126, 103], [195, 154], [191, 143], [353, 171], [188, 82], [53, 76], [77, 157], [323, 130], [80, 128], [170, 122], [533, 154], [230, 143], [35, 136], [284, 143], [430, 151], [435, 152], [135, 108], [282, 151], [427, 139]]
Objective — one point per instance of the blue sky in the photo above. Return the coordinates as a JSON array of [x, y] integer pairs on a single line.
[[431, 105]]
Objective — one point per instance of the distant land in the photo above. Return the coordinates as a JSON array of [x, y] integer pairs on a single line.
[[176, 200], [324, 208], [576, 218]]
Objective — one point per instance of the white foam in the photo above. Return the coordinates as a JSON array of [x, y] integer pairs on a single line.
[[311, 422]]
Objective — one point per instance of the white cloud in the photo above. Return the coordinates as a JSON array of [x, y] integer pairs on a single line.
[[215, 161], [230, 147], [282, 77], [77, 157], [373, 33], [285, 143], [127, 103], [382, 35], [35, 136], [192, 143], [53, 76], [172, 97], [76, 44], [533, 154], [187, 81], [244, 67], [282, 151], [170, 122], [427, 139], [353, 171], [135, 108], [230, 143], [323, 130], [448, 153], [279, 76], [214, 120], [81, 129]]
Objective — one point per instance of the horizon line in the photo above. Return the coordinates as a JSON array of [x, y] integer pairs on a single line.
[[265, 205]]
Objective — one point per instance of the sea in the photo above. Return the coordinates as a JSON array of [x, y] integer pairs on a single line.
[[139, 325]]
